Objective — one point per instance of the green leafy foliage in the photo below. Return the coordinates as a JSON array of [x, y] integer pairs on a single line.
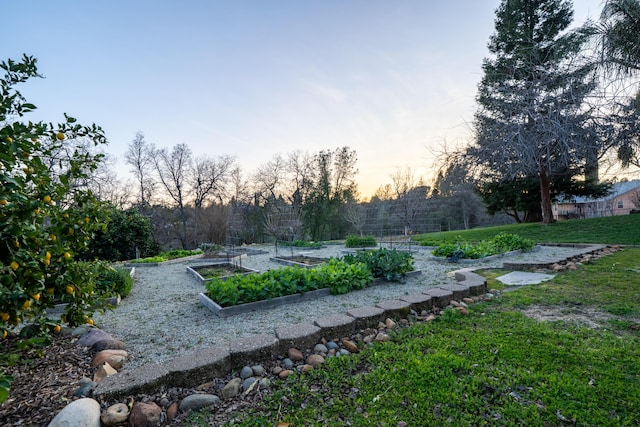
[[128, 234], [500, 243], [340, 277], [114, 281], [47, 217], [166, 256], [355, 241], [389, 264]]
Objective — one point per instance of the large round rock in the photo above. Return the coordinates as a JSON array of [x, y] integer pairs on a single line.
[[79, 413]]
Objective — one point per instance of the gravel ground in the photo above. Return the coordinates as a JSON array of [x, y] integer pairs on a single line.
[[162, 317]]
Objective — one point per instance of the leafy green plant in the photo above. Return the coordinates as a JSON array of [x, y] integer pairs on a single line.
[[46, 219], [114, 281], [338, 276], [167, 256], [389, 264], [355, 241], [501, 243]]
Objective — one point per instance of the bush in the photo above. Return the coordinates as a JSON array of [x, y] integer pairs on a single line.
[[166, 256], [114, 281], [388, 264], [128, 235], [354, 241], [340, 277]]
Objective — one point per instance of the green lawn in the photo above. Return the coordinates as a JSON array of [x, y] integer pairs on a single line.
[[623, 230]]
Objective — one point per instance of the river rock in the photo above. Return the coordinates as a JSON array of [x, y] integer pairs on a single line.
[[305, 368], [382, 337], [247, 383], [468, 300], [321, 348], [295, 354], [108, 345], [350, 345], [115, 414], [288, 363], [332, 345], [115, 358], [93, 336], [172, 411], [258, 370], [285, 374], [315, 360], [145, 414], [198, 401], [246, 372], [463, 310], [85, 389], [232, 388], [83, 412], [389, 323]]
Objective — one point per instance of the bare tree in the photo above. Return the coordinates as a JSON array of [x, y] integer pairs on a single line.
[[139, 156], [173, 169], [410, 196]]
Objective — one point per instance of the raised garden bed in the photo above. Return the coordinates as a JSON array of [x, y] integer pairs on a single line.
[[220, 270], [299, 260], [220, 311]]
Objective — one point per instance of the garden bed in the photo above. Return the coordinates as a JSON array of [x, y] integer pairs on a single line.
[[220, 311], [299, 260], [220, 270]]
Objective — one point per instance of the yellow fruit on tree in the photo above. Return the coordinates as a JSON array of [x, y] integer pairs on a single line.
[[86, 219], [3, 202], [5, 316], [69, 289], [26, 304], [16, 244], [57, 329], [50, 291], [46, 262], [9, 139], [47, 255], [17, 321], [36, 297], [67, 255], [36, 211], [4, 334], [46, 199], [89, 321], [53, 237], [71, 231], [60, 136], [14, 265]]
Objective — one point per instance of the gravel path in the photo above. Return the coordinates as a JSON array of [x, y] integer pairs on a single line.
[[162, 318]]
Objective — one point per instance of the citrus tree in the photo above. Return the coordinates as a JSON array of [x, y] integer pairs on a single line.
[[47, 215]]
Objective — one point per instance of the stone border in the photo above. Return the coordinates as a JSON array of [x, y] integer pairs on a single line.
[[188, 370]]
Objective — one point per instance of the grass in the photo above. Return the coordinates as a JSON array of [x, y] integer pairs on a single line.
[[610, 230], [493, 367], [166, 256]]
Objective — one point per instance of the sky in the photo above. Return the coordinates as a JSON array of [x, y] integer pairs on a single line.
[[392, 80]]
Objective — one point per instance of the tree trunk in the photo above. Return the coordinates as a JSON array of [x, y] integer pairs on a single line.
[[545, 195]]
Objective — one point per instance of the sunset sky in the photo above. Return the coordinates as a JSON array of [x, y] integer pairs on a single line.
[[392, 80]]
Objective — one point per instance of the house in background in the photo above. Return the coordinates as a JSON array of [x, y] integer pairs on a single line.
[[623, 198]]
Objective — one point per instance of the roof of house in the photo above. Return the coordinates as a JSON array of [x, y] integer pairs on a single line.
[[616, 189]]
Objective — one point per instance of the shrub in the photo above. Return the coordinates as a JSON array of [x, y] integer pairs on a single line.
[[114, 281], [386, 263], [354, 241]]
